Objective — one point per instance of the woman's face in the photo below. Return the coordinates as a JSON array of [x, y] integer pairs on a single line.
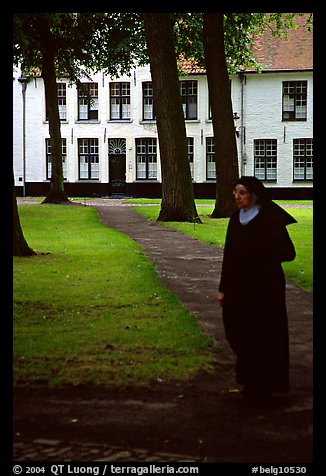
[[242, 196]]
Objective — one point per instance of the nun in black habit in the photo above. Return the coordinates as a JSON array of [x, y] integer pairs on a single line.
[[252, 289]]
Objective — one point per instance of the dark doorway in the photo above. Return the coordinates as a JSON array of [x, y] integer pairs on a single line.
[[117, 166]]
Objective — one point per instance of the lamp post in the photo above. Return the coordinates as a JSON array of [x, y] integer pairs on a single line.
[[235, 118], [23, 81]]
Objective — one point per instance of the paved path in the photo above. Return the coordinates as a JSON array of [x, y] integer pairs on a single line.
[[187, 266], [45, 449], [191, 269], [201, 420]]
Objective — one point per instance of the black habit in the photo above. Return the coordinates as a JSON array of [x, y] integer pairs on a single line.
[[254, 308]]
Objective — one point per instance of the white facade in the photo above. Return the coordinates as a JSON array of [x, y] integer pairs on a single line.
[[263, 120], [257, 100]]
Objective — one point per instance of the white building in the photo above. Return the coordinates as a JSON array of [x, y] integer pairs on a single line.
[[110, 143]]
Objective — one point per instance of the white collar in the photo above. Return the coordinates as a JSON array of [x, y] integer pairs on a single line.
[[248, 214]]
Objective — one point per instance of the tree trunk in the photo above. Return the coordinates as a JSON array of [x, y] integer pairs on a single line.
[[56, 193], [177, 190], [20, 246], [226, 157]]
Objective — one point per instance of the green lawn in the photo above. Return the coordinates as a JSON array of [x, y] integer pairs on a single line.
[[213, 231], [93, 310], [154, 201], [206, 201]]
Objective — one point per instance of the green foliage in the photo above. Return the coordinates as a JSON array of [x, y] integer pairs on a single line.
[[115, 42], [81, 42], [93, 310]]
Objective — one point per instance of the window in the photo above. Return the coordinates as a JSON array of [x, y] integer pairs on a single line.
[[190, 141], [62, 101], [210, 159], [148, 102], [146, 159], [88, 159], [119, 101], [303, 159], [294, 101], [188, 91], [48, 158], [88, 101], [265, 158]]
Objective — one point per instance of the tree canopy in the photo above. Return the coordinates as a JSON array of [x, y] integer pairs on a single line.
[[115, 42], [73, 45], [81, 42]]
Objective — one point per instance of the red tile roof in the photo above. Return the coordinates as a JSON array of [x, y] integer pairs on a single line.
[[189, 66], [274, 53]]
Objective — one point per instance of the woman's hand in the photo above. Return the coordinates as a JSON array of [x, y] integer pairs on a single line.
[[220, 298]]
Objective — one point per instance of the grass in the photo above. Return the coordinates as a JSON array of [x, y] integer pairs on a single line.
[[157, 201], [93, 311], [294, 202], [213, 231], [206, 201]]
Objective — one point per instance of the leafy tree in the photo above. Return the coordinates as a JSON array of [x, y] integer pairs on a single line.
[[69, 45], [73, 45], [177, 191], [62, 44], [200, 37], [38, 44]]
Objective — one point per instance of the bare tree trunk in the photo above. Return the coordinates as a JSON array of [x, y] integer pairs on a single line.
[[226, 157], [177, 190], [20, 246], [56, 193]]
